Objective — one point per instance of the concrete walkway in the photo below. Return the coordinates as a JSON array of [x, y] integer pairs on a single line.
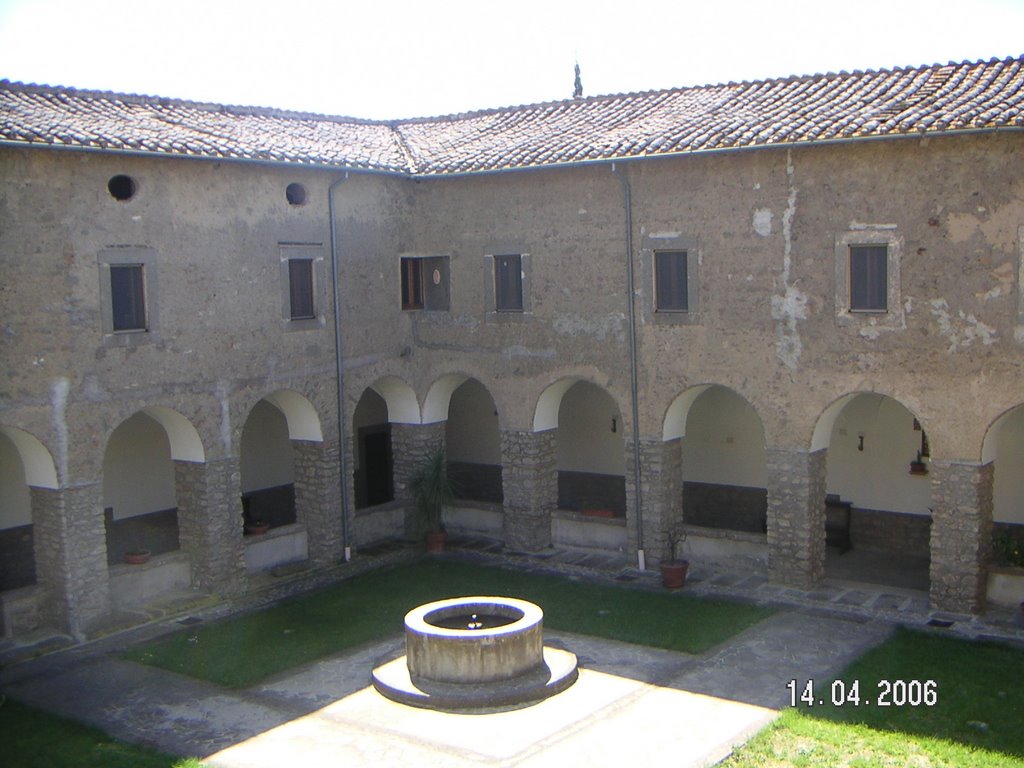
[[631, 703]]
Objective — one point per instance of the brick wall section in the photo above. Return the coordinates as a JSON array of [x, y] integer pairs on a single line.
[[961, 535], [210, 523], [796, 516], [661, 489], [530, 485], [410, 445], [71, 557], [318, 498]]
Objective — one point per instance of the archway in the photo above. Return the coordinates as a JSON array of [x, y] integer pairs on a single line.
[[373, 464], [139, 496], [1004, 447], [267, 465], [878, 494], [591, 456], [723, 460], [473, 443]]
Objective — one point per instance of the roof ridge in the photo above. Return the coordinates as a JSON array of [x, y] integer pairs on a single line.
[[207, 106], [817, 76]]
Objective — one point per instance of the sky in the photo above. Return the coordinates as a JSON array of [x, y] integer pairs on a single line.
[[398, 59]]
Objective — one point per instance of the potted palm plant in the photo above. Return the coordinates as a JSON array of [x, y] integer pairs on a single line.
[[432, 492], [673, 567]]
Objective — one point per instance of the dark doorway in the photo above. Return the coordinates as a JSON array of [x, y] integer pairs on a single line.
[[374, 477]]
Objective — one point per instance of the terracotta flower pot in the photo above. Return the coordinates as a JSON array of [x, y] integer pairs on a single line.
[[436, 541], [673, 573], [256, 529], [137, 557]]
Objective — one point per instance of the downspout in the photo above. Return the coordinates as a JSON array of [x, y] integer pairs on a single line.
[[627, 198], [339, 357]]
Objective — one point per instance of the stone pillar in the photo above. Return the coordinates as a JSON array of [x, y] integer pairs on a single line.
[[210, 523], [661, 482], [411, 444], [530, 485], [961, 534], [318, 499], [796, 516], [71, 556]]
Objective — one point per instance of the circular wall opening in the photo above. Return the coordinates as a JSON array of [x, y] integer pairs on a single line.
[[296, 194], [121, 187]]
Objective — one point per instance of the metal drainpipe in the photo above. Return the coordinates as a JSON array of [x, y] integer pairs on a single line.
[[627, 194], [342, 440]]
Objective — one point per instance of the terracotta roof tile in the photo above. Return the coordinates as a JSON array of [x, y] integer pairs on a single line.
[[981, 95]]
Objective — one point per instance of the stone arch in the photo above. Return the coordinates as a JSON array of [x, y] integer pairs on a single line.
[[591, 450], [143, 515], [473, 442], [303, 420], [723, 458], [183, 439], [373, 461], [878, 494], [1003, 446], [267, 458], [437, 402], [403, 407], [25, 463]]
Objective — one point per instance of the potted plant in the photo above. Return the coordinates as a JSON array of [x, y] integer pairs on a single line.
[[256, 527], [137, 555], [918, 467], [432, 492], [673, 568]]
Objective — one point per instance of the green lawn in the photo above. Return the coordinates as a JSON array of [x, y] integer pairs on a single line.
[[977, 718], [242, 651], [30, 738]]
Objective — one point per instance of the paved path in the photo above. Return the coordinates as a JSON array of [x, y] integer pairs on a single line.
[[631, 704]]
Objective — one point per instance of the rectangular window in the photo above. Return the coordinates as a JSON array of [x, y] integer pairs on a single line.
[[412, 283], [508, 283], [670, 281], [300, 289], [868, 278], [127, 297]]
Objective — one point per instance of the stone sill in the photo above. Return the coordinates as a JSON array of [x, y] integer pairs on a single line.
[[704, 532], [579, 517], [387, 506], [1006, 586], [156, 561], [274, 533]]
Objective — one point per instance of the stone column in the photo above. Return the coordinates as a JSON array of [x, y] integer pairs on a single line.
[[318, 499], [210, 523], [661, 482], [530, 485], [410, 446], [796, 516], [961, 534], [71, 556]]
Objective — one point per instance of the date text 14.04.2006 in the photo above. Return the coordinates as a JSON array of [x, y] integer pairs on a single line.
[[852, 693]]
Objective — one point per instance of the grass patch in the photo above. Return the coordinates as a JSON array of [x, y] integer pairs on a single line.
[[976, 719], [242, 651], [36, 739]]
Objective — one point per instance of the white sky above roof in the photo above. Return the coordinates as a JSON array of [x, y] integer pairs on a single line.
[[417, 59]]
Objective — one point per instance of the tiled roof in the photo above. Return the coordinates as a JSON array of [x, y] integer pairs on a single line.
[[984, 95]]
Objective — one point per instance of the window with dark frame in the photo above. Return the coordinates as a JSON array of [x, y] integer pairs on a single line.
[[508, 283], [868, 278], [670, 281], [412, 283], [127, 297], [300, 289]]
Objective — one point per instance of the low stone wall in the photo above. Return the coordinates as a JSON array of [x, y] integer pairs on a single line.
[[578, 491], [17, 558], [571, 529], [893, 532], [155, 531], [288, 544], [732, 507], [476, 482]]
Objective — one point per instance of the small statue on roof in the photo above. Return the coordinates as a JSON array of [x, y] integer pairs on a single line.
[[577, 88]]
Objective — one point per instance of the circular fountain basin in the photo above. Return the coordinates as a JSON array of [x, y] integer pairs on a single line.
[[475, 652]]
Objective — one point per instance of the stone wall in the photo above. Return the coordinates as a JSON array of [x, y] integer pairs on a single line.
[[961, 535], [796, 516], [661, 490], [530, 480], [318, 499], [411, 444], [210, 523]]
